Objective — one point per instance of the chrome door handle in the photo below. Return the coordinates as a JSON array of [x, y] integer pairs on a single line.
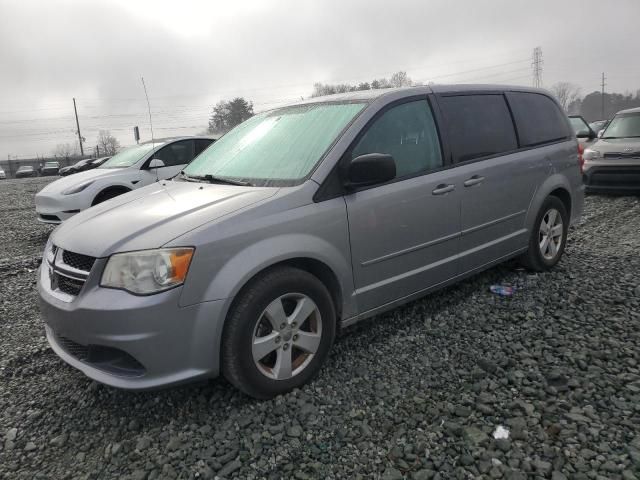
[[443, 188], [475, 180]]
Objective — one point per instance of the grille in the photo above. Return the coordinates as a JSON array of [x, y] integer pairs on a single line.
[[635, 155], [81, 352], [108, 359], [68, 285], [78, 261], [52, 218]]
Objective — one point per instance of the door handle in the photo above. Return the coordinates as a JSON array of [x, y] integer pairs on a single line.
[[475, 180], [443, 188]]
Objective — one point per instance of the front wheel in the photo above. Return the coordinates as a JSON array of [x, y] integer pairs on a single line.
[[548, 236], [278, 333]]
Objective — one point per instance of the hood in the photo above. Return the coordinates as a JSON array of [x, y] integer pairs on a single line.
[[152, 216], [64, 183], [606, 145]]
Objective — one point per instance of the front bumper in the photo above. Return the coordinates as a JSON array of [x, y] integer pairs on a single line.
[[56, 209], [131, 342], [612, 177]]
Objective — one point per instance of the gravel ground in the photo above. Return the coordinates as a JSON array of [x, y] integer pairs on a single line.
[[416, 393]]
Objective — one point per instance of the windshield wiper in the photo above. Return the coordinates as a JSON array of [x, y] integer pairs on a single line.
[[212, 179], [629, 136]]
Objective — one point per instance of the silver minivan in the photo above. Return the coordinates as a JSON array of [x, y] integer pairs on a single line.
[[305, 219]]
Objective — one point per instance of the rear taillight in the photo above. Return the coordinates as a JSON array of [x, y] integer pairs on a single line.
[[581, 157]]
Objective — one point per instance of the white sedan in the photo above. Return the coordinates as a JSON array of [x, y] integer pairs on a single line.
[[129, 169]]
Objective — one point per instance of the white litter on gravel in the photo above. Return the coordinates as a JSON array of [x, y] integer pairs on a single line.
[[500, 432]]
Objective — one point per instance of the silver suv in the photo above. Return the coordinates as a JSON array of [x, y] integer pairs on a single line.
[[612, 164], [304, 219]]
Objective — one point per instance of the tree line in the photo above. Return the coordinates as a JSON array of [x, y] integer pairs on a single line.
[[590, 106]]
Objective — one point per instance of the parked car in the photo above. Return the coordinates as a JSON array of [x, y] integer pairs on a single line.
[[129, 169], [612, 164], [599, 125], [83, 165], [304, 219], [26, 171], [68, 170], [50, 168], [2, 174]]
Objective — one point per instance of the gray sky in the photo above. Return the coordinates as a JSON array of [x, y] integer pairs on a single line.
[[193, 53]]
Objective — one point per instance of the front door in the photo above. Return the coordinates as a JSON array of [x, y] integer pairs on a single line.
[[175, 157], [404, 234]]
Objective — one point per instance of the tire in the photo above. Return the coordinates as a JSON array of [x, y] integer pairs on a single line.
[[254, 326], [108, 195], [541, 256]]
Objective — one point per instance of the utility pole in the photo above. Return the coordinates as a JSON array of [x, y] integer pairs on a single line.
[[602, 97], [536, 63], [78, 125]]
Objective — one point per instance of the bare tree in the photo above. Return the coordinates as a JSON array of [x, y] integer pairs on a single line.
[[400, 79], [567, 93], [64, 150], [108, 144]]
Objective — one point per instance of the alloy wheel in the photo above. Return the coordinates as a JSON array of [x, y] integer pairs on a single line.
[[551, 234], [286, 336]]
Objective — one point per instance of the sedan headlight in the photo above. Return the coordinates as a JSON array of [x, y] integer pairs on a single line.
[[147, 271], [590, 154], [77, 188]]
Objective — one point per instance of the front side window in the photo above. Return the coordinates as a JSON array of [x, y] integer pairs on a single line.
[[201, 144], [478, 125], [539, 119], [626, 125], [129, 156], [177, 153], [279, 147], [408, 133]]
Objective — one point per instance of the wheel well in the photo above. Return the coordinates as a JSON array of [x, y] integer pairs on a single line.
[[316, 268], [564, 197], [119, 189]]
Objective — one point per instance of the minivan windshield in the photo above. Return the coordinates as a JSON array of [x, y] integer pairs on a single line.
[[623, 126], [275, 148], [129, 156]]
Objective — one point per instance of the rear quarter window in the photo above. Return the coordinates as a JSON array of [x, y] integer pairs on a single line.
[[538, 118], [478, 125]]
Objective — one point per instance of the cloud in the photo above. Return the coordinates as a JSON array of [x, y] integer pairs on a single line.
[[193, 53]]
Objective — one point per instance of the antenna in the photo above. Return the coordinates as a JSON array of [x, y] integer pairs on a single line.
[[153, 143]]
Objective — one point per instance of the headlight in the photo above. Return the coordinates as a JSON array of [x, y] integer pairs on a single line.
[[76, 188], [147, 271], [49, 253], [590, 154]]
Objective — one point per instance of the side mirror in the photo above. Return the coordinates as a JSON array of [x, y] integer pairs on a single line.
[[590, 134], [600, 133], [370, 169], [156, 163]]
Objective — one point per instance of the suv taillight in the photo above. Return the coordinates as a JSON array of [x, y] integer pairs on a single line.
[[581, 157]]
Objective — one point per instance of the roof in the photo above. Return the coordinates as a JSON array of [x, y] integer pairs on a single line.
[[183, 137], [629, 110], [370, 95]]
